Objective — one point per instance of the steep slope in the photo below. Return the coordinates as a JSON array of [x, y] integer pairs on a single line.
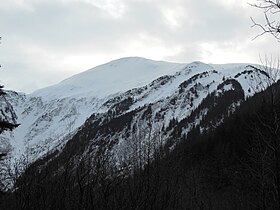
[[142, 120], [122, 100]]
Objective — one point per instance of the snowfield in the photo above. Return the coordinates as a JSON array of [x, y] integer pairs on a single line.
[[50, 116]]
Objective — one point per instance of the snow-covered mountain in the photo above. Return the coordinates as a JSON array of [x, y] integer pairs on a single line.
[[124, 100]]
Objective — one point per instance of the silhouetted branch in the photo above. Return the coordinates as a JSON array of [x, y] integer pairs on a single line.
[[272, 26]]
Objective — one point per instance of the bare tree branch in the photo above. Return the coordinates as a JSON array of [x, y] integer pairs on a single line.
[[271, 8]]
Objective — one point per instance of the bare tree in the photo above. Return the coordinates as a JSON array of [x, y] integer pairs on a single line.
[[271, 25]]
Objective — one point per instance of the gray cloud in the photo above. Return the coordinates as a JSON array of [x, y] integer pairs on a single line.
[[46, 41]]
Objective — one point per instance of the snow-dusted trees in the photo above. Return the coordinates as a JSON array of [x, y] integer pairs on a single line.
[[4, 123]]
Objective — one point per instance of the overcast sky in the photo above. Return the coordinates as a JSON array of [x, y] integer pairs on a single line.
[[46, 41]]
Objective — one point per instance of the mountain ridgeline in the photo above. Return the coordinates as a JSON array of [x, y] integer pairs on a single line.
[[142, 138], [136, 89]]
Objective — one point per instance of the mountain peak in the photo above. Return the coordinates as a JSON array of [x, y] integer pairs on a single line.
[[119, 76], [110, 78]]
